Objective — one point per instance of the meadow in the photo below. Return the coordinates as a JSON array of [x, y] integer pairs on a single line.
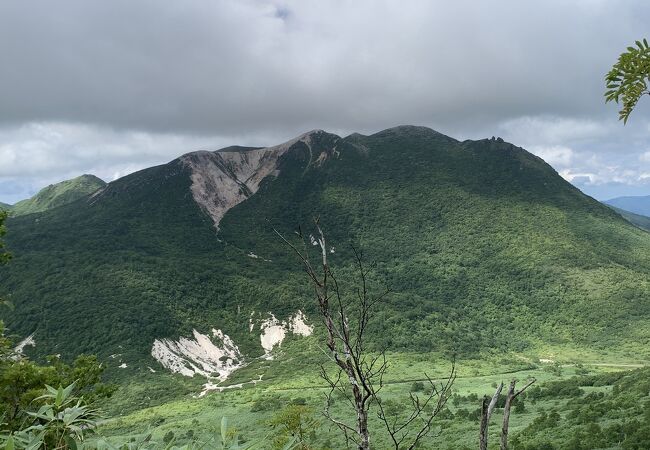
[[175, 409]]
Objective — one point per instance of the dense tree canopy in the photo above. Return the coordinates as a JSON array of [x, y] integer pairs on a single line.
[[4, 255]]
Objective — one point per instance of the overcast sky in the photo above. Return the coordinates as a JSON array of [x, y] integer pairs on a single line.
[[109, 87]]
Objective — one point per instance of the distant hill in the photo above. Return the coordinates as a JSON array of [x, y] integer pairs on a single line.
[[57, 194], [484, 246], [5, 206], [636, 219], [637, 205]]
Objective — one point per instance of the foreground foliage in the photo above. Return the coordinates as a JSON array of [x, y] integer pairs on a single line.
[[605, 411], [627, 81]]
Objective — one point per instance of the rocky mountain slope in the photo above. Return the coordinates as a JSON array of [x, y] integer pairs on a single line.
[[485, 247]]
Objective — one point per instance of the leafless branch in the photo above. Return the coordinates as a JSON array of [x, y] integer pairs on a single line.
[[399, 432], [486, 413], [360, 376]]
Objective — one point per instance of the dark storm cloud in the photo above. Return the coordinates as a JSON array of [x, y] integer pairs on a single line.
[[229, 66], [193, 72]]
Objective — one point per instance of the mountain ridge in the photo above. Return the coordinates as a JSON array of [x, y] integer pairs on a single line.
[[222, 179], [634, 204], [638, 220], [469, 235], [58, 194]]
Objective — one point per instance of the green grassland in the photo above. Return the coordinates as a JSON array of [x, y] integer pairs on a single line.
[[566, 387]]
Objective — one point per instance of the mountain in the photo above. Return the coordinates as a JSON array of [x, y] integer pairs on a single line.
[[634, 204], [636, 219], [484, 247], [58, 194], [5, 206]]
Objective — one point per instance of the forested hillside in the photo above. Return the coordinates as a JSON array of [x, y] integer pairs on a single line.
[[637, 205], [56, 195], [484, 246], [636, 219]]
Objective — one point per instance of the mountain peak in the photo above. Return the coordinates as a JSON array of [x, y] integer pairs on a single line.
[[309, 138], [89, 177], [58, 194], [408, 130], [227, 177]]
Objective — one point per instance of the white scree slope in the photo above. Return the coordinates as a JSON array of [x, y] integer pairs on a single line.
[[273, 332], [199, 356], [28, 341], [223, 179], [218, 356]]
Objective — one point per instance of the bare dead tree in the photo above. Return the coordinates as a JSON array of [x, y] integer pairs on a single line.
[[402, 433], [487, 408], [360, 374], [512, 395]]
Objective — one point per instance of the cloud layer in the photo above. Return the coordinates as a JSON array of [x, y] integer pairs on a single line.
[[112, 86]]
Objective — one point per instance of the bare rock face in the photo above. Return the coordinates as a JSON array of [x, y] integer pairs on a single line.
[[211, 356], [225, 178]]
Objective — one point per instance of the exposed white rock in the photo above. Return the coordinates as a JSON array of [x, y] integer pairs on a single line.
[[252, 255], [273, 333], [28, 341], [151, 370], [122, 366], [199, 355], [97, 195], [210, 386], [221, 180], [297, 325], [324, 156]]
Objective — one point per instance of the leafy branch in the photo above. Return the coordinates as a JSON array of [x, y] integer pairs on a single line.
[[627, 81]]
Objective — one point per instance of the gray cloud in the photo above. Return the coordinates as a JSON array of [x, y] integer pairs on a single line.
[[139, 82]]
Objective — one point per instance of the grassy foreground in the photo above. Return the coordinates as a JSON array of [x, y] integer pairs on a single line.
[[166, 406]]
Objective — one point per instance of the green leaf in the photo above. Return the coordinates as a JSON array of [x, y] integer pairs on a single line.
[[72, 444], [289, 445], [50, 389], [68, 390], [224, 429]]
